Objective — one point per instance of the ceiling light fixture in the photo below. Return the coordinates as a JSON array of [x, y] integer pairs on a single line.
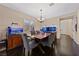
[[41, 16]]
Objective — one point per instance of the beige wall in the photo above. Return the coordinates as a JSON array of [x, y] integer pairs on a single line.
[[53, 21], [7, 16]]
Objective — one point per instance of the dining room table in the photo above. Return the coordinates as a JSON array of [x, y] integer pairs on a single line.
[[43, 39]]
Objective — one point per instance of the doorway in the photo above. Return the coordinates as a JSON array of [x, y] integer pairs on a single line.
[[66, 27], [67, 34]]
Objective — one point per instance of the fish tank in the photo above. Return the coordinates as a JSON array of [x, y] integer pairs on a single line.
[[48, 29], [12, 30]]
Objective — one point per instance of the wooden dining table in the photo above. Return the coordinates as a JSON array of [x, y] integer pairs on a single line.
[[40, 36], [43, 39]]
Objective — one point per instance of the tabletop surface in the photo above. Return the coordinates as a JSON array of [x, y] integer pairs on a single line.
[[40, 35]]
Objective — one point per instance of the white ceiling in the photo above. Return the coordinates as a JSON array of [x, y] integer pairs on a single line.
[[33, 9]]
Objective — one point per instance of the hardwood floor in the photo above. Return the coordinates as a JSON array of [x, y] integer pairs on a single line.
[[75, 49], [18, 51], [47, 51], [67, 46]]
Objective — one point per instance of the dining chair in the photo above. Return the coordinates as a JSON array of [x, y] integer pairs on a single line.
[[28, 44]]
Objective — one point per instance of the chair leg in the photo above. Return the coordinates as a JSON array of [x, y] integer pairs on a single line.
[[24, 51], [29, 53], [41, 49]]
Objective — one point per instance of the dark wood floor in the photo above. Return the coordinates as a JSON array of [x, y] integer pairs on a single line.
[[68, 45], [37, 52], [18, 51], [75, 49], [47, 51]]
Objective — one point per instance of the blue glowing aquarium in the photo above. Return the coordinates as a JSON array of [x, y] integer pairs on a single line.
[[48, 29], [14, 30]]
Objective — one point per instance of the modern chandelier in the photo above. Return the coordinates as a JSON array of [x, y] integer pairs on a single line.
[[42, 18]]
